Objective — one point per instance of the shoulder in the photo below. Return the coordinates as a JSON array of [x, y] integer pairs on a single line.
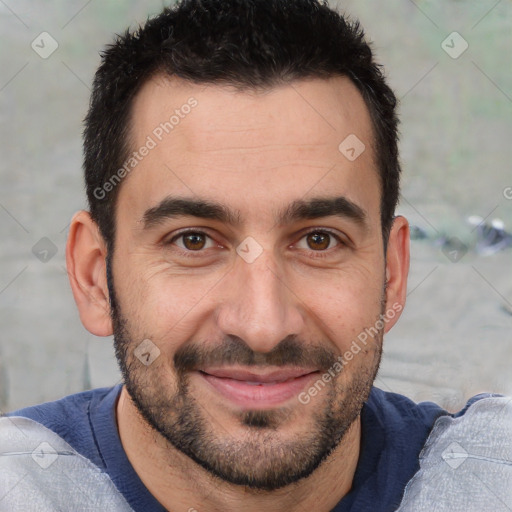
[[70, 418], [51, 446], [64, 408], [466, 463], [397, 412], [35, 462]]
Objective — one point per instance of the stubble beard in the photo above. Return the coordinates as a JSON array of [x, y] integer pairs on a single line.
[[262, 459]]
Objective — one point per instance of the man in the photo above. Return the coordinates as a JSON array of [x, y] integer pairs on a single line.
[[242, 173]]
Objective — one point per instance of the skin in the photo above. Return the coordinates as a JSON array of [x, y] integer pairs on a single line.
[[256, 154]]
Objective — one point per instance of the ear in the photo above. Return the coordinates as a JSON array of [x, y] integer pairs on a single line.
[[85, 260], [397, 269]]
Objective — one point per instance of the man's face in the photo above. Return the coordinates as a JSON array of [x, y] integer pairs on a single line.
[[249, 252]]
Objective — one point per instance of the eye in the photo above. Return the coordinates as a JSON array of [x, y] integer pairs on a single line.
[[193, 241], [318, 240]]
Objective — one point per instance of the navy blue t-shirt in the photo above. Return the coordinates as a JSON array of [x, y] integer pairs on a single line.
[[394, 430]]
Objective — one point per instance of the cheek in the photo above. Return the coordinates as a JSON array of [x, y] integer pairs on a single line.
[[344, 304], [163, 307]]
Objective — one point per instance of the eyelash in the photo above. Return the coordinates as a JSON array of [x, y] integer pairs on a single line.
[[314, 254], [188, 253], [327, 252]]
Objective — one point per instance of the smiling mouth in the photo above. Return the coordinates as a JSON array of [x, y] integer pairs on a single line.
[[252, 390], [258, 383]]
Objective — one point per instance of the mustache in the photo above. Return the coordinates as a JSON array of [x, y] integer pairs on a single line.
[[234, 351]]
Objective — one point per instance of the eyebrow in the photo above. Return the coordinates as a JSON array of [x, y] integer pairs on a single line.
[[175, 207], [324, 207]]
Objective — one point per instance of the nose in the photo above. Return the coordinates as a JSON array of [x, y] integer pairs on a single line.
[[259, 305]]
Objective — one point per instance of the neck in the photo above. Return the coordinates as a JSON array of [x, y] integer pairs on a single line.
[[179, 483]]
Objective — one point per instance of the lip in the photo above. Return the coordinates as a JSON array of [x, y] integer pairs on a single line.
[[255, 390]]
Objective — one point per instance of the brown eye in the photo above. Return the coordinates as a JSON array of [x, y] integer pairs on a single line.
[[318, 241], [193, 241]]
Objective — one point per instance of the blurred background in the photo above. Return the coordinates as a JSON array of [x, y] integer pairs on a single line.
[[449, 63]]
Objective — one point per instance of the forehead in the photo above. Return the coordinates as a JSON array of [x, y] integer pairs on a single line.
[[324, 105], [212, 140]]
